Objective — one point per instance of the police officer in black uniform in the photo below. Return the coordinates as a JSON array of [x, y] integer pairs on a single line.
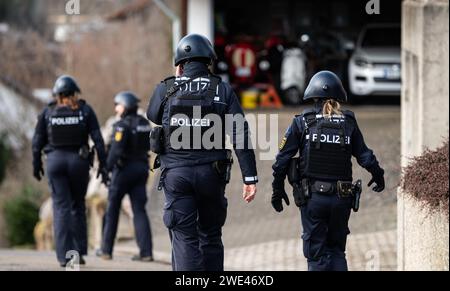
[[128, 162], [326, 137], [62, 133], [194, 174]]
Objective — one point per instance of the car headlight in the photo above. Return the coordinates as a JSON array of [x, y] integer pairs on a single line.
[[362, 63]]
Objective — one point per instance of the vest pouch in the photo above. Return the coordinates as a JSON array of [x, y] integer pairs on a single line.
[[157, 140]]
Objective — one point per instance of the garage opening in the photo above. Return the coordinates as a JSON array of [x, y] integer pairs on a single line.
[[281, 44]]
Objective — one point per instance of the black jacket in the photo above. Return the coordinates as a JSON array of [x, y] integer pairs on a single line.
[[123, 148], [293, 142], [41, 143], [225, 102]]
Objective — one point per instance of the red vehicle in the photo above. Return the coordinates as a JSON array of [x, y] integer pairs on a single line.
[[242, 60]]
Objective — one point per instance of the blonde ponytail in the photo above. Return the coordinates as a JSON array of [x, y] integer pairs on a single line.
[[70, 101], [331, 107]]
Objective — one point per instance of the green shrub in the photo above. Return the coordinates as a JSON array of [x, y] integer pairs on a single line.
[[21, 214]]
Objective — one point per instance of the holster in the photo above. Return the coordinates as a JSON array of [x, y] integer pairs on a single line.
[[347, 189], [299, 195], [357, 189], [300, 187], [157, 140], [223, 167], [84, 152], [91, 157], [293, 171]]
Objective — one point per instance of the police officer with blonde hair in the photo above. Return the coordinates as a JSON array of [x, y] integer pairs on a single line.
[[326, 137]]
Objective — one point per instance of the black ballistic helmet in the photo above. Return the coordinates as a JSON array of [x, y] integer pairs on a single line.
[[65, 85], [194, 46], [325, 85], [127, 99]]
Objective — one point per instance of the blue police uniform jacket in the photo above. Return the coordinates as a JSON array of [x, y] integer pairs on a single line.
[[225, 102], [124, 146], [294, 142], [41, 140]]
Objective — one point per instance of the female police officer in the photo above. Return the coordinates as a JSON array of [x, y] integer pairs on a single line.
[[326, 138], [62, 133], [128, 161]]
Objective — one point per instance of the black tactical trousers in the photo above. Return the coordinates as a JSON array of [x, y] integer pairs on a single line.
[[195, 212], [68, 176], [131, 180], [325, 228]]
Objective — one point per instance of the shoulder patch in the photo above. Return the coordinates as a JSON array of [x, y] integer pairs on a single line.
[[283, 143], [118, 136]]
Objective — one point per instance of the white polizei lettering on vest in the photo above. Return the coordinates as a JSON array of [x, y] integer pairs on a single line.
[[195, 122], [65, 120], [324, 138]]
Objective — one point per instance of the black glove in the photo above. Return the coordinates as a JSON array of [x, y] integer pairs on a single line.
[[104, 173], [378, 179], [278, 195], [38, 171]]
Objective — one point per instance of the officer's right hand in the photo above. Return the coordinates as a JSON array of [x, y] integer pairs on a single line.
[[38, 172], [249, 192], [277, 198]]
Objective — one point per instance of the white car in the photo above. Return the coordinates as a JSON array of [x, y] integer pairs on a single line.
[[375, 66]]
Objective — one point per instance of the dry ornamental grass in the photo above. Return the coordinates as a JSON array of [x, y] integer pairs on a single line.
[[426, 178]]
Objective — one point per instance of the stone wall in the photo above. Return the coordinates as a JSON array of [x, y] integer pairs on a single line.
[[423, 238]]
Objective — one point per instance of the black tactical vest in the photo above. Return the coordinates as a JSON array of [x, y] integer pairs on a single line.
[[192, 118], [328, 148], [67, 127], [140, 135]]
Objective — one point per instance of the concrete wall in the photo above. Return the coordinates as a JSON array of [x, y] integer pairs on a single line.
[[423, 238], [423, 243]]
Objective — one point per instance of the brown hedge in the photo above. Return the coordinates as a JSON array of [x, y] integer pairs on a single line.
[[426, 178]]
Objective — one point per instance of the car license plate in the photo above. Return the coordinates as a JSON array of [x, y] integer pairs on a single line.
[[392, 73]]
